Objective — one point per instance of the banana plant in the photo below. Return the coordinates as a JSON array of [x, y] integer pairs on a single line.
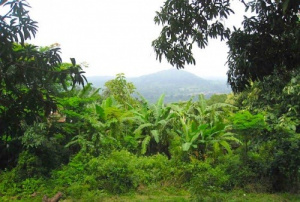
[[210, 114], [107, 126], [183, 109], [203, 128], [153, 123], [190, 134], [115, 118], [203, 138], [216, 139], [200, 112]]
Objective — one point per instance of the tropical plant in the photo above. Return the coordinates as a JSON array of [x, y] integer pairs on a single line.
[[248, 125], [203, 128], [120, 89], [275, 97], [153, 127], [202, 138], [27, 77], [77, 107], [115, 123], [199, 111]]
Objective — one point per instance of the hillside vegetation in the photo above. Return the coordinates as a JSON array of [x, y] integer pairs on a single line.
[[114, 144], [60, 137], [176, 85]]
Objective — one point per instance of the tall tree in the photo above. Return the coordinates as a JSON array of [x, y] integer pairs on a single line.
[[120, 89], [28, 76], [268, 42]]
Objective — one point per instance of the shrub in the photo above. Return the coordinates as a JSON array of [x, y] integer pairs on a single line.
[[152, 169], [208, 180], [113, 174], [10, 185], [73, 172], [249, 175]]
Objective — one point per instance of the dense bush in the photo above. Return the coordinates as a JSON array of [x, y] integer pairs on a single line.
[[120, 172], [207, 178], [113, 174]]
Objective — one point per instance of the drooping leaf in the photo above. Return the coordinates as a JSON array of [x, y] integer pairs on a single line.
[[226, 146], [145, 144], [141, 127], [156, 135]]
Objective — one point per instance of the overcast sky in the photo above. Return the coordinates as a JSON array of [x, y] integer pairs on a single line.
[[115, 36]]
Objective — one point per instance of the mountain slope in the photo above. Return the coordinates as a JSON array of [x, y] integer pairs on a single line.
[[178, 85]]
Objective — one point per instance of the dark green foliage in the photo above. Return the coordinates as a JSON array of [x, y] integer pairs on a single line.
[[29, 77], [284, 163], [25, 178], [188, 22], [268, 42], [276, 97]]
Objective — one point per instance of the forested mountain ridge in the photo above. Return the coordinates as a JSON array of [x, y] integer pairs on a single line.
[[178, 85]]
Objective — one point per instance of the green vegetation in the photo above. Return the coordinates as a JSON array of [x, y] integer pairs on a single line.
[[175, 84], [56, 136]]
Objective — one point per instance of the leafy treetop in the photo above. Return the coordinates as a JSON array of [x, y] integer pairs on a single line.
[[29, 76], [268, 41]]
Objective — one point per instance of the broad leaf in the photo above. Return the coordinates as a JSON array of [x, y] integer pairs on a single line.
[[186, 146], [155, 134]]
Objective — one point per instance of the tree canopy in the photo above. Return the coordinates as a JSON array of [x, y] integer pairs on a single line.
[[30, 76], [268, 41]]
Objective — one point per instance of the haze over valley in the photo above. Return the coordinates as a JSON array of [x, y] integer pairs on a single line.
[[177, 85]]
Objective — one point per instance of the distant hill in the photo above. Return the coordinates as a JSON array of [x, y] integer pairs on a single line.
[[178, 85]]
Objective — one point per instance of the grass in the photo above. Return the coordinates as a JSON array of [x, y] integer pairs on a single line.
[[159, 196], [162, 193]]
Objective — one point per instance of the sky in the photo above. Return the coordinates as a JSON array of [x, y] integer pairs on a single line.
[[115, 36]]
